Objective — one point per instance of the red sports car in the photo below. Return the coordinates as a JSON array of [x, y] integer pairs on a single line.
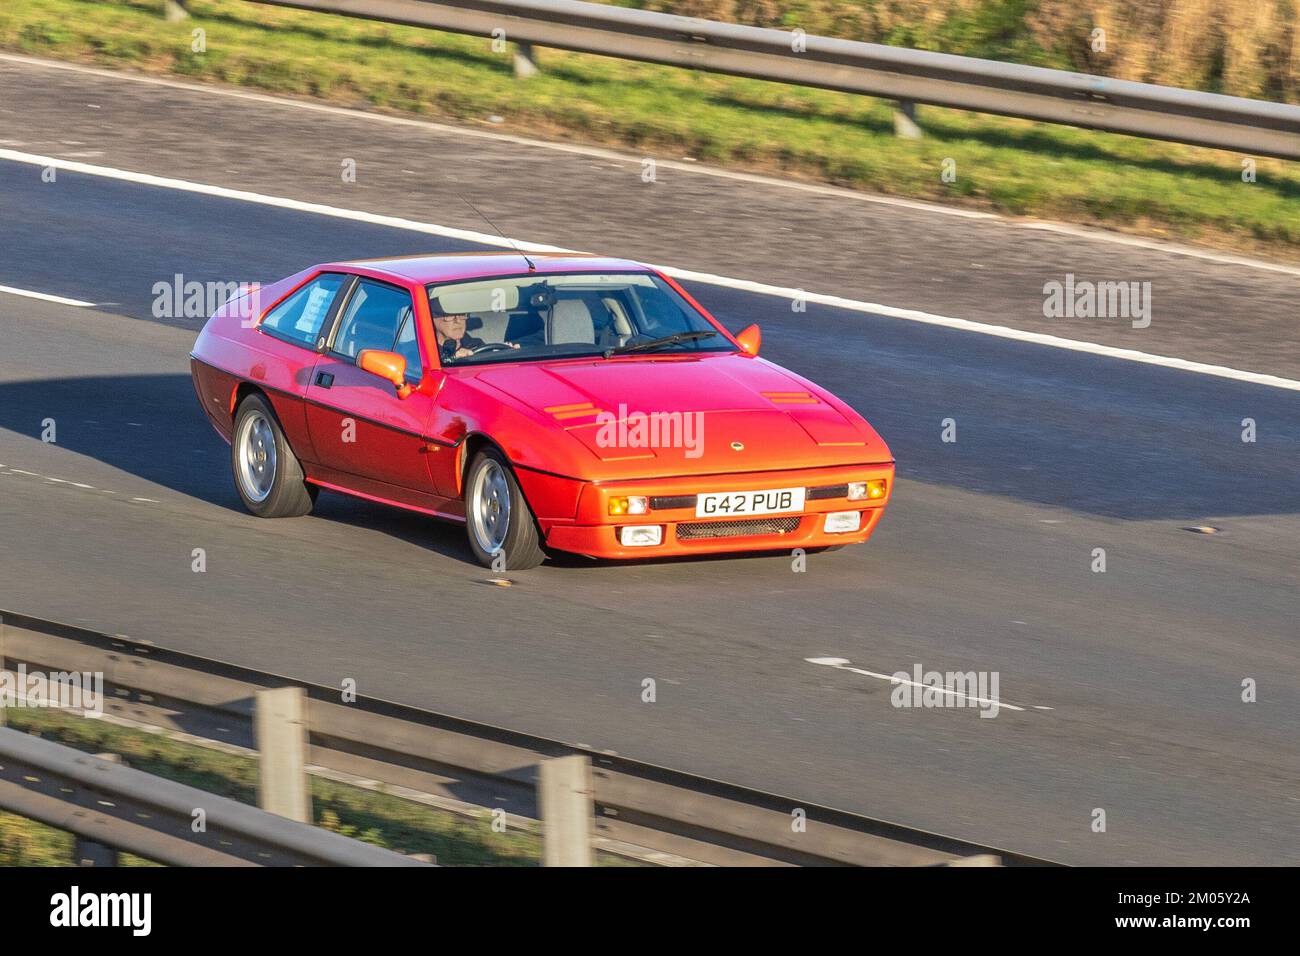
[[568, 402]]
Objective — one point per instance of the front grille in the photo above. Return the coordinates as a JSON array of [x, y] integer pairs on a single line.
[[695, 530]]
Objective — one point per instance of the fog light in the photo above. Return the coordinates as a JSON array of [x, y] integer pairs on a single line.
[[629, 505], [641, 535], [838, 522]]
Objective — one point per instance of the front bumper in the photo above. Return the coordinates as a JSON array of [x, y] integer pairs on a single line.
[[595, 532]]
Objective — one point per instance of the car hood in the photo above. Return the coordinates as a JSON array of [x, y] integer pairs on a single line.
[[695, 415]]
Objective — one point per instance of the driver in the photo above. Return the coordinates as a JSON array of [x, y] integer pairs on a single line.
[[453, 342]]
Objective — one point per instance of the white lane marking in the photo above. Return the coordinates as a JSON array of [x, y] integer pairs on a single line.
[[623, 159], [56, 481], [843, 664], [45, 297], [65, 481], [741, 285], [6, 470]]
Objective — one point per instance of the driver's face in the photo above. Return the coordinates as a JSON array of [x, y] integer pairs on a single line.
[[450, 327]]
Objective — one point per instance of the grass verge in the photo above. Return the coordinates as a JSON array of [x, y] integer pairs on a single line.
[[1011, 166]]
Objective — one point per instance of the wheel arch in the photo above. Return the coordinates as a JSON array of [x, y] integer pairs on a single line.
[[472, 444], [288, 416], [241, 392], [550, 497]]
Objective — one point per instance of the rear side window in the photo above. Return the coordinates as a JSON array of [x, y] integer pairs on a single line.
[[300, 317], [375, 315]]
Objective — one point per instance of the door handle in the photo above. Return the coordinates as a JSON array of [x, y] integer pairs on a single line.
[[324, 379]]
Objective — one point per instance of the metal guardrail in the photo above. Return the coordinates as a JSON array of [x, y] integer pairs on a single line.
[[111, 805], [634, 802], [907, 76]]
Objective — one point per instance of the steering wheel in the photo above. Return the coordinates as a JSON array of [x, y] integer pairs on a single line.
[[492, 347]]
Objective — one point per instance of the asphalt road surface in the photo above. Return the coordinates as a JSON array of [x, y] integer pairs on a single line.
[[1130, 680]]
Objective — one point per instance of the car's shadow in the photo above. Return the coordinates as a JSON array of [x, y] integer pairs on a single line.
[[151, 426]]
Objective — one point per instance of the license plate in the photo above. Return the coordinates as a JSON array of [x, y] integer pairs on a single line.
[[734, 504]]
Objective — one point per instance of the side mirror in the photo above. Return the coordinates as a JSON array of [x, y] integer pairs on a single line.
[[750, 339], [387, 365]]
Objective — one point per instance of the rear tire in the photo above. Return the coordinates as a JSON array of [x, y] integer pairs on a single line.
[[498, 521], [268, 475]]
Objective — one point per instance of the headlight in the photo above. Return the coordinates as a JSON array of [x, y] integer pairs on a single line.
[[858, 490], [629, 505]]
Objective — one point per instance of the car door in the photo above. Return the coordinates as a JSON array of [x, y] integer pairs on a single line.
[[358, 424], [292, 332]]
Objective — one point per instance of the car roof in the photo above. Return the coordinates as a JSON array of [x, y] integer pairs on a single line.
[[446, 267]]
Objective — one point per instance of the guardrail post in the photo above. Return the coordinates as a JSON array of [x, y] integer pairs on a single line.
[[174, 11], [280, 732], [564, 797], [88, 852], [525, 61], [905, 120], [2, 665]]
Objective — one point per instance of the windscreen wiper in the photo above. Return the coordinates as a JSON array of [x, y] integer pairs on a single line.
[[661, 341]]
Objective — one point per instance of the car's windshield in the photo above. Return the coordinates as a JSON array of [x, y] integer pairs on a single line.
[[535, 317]]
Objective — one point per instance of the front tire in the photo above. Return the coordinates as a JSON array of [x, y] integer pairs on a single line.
[[500, 526], [268, 475]]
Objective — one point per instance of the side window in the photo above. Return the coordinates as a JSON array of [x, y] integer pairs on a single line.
[[372, 320], [299, 318], [407, 348]]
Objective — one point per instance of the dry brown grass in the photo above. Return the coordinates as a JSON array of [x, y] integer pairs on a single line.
[[1242, 47]]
